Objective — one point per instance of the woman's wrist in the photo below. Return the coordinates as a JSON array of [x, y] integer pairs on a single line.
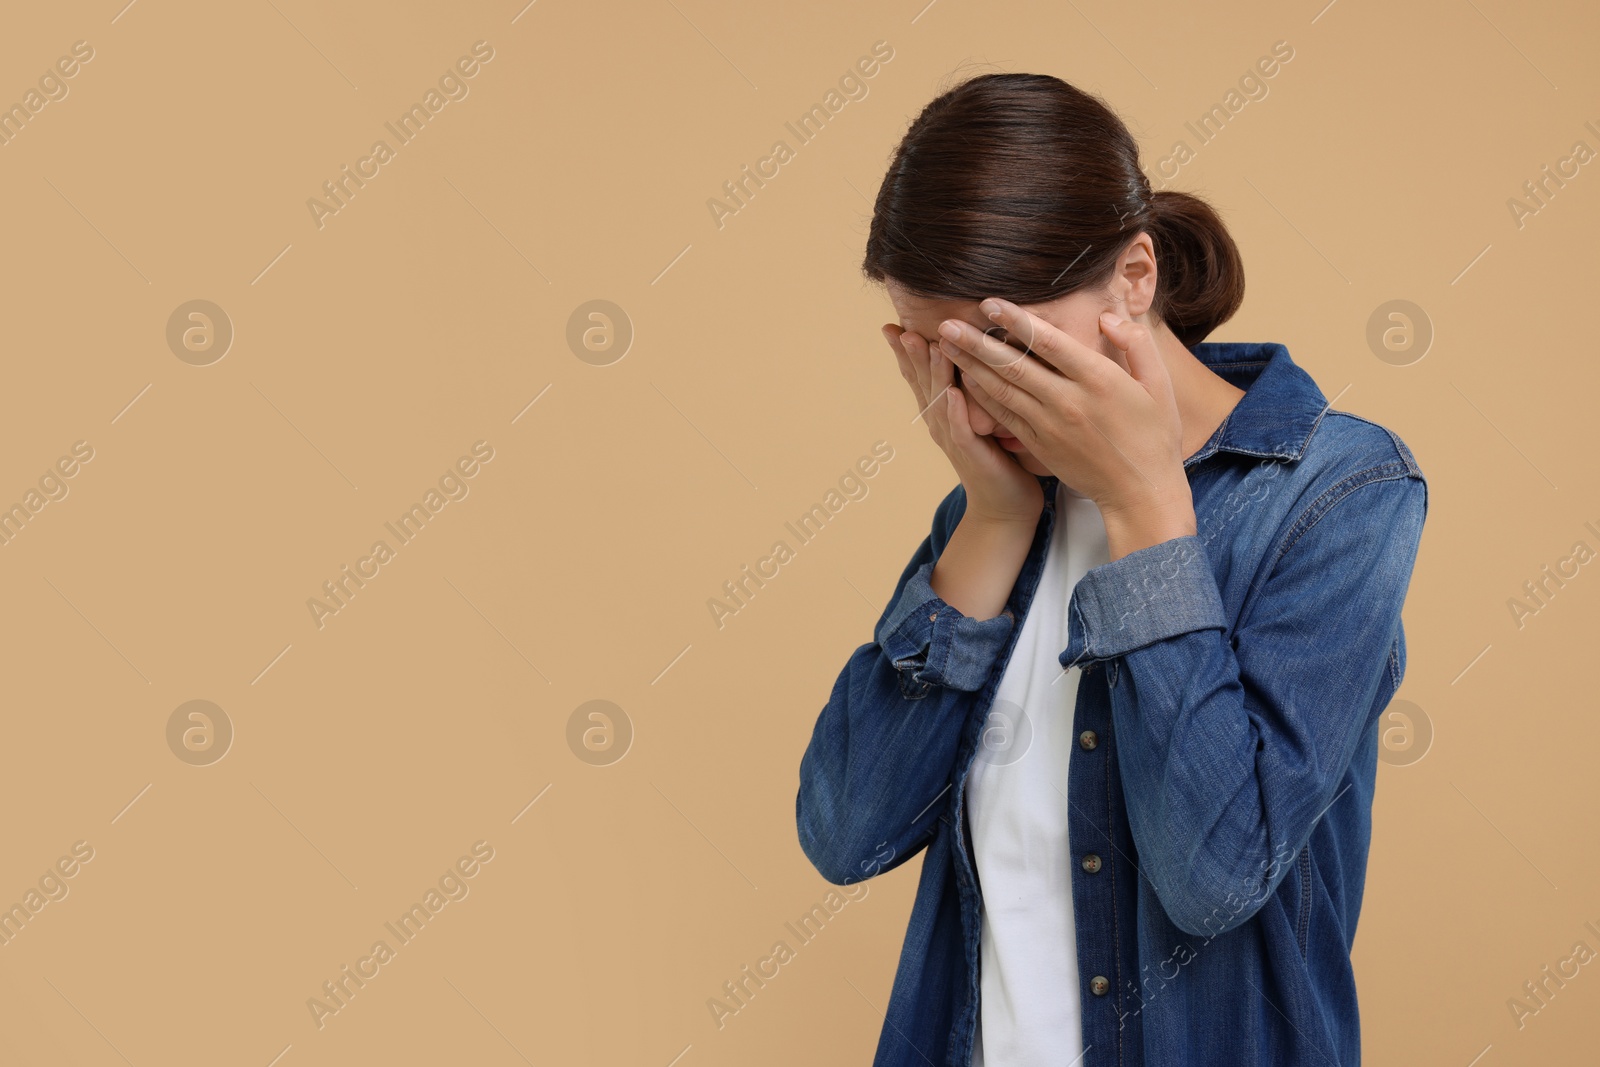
[[980, 564], [1150, 522]]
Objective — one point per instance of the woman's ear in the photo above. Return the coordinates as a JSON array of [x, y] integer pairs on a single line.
[[1133, 285]]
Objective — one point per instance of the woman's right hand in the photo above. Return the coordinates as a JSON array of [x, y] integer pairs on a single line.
[[999, 489]]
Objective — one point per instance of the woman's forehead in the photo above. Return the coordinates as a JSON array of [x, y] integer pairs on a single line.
[[922, 315]]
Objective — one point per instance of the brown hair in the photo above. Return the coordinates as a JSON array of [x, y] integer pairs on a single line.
[[1024, 187]]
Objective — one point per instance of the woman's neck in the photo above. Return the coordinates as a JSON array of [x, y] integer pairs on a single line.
[[1204, 397]]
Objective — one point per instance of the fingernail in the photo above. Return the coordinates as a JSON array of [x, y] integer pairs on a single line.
[[991, 308], [949, 329], [1111, 317]]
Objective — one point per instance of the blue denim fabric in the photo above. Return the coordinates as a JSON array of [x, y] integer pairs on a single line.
[[1233, 680]]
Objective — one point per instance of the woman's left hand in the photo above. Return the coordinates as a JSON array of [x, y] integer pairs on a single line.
[[1111, 434]]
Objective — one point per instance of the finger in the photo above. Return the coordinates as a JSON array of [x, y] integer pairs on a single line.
[[1138, 346], [1009, 362], [975, 397], [933, 399], [911, 361], [1011, 373], [1053, 346], [1019, 411], [941, 375], [959, 419], [891, 334], [917, 349]]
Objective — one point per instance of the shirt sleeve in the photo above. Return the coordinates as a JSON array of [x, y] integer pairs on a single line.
[[1232, 745], [875, 778], [937, 644]]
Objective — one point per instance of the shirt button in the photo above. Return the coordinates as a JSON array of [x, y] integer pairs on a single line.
[[1099, 985], [1087, 740], [934, 617], [1091, 863]]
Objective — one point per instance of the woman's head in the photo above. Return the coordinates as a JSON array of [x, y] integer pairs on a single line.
[[1023, 187]]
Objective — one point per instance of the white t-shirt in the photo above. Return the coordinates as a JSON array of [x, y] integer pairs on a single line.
[[1016, 798]]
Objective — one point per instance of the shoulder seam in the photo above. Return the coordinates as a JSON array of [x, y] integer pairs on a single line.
[[1402, 450], [1330, 497]]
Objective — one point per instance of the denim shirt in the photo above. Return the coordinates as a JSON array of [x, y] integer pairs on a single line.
[[1220, 794]]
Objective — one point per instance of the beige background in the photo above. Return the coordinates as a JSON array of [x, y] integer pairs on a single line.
[[432, 310]]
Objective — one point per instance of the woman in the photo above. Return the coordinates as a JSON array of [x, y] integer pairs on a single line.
[[1126, 692]]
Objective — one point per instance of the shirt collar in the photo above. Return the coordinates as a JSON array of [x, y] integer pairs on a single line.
[[1280, 410]]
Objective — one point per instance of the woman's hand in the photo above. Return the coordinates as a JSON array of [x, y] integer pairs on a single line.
[[998, 488], [1111, 434]]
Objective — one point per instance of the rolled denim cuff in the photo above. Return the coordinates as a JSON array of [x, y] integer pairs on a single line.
[[938, 644], [1151, 594]]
